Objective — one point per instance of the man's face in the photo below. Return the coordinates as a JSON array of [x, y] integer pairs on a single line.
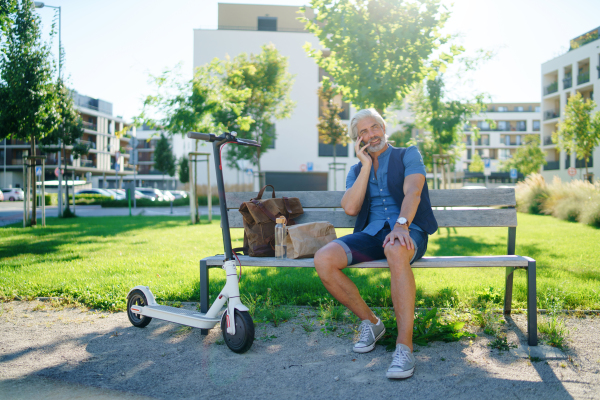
[[372, 133]]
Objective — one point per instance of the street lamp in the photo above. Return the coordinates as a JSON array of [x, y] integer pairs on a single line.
[[39, 4]]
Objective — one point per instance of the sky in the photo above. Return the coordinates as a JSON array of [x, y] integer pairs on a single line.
[[112, 47]]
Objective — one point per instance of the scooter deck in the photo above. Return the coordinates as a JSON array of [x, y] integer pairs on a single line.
[[180, 316]]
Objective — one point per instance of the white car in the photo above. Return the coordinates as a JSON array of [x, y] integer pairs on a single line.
[[100, 192], [13, 194], [116, 195]]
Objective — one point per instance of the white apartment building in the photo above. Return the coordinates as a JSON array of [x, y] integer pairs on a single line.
[[578, 70], [99, 135], [246, 28], [513, 121]]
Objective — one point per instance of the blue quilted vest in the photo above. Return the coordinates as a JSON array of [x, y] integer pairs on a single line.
[[424, 217]]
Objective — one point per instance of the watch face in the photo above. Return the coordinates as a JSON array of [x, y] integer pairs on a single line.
[[401, 220]]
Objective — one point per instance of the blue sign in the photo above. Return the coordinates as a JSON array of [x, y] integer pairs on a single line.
[[309, 166], [38, 171], [249, 171], [513, 173], [487, 163]]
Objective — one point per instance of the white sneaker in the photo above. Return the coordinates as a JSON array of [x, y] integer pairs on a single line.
[[370, 333], [403, 363]]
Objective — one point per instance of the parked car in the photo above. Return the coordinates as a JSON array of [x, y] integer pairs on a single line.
[[179, 194], [140, 195], [154, 193], [168, 195], [13, 194], [116, 195], [1, 196], [101, 192]]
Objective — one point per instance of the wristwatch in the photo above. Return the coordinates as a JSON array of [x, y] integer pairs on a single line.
[[402, 221]]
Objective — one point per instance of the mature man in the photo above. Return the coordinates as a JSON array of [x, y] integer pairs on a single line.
[[388, 191]]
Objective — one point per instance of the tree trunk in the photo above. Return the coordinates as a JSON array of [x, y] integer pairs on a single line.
[[334, 168], [33, 182], [67, 178]]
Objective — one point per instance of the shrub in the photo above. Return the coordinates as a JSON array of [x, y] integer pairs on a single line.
[[567, 200], [590, 214], [531, 194], [51, 199]]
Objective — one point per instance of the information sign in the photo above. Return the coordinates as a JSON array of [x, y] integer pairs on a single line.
[[56, 172], [513, 173], [309, 166], [38, 171], [303, 167], [487, 167]]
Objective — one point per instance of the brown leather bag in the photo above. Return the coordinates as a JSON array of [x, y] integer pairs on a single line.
[[259, 221]]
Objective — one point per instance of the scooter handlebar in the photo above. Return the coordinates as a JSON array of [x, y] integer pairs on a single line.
[[201, 136]]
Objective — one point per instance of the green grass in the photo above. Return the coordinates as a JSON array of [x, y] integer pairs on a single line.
[[97, 261]]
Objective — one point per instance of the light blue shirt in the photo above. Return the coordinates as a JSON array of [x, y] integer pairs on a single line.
[[383, 207]]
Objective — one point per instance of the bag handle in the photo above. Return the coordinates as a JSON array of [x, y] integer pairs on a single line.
[[264, 210], [259, 196]]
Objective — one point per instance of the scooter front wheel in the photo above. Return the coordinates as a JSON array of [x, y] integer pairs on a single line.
[[137, 298], [244, 332]]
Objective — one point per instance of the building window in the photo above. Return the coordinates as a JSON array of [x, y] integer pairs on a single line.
[[502, 109], [344, 114], [503, 126], [469, 154], [536, 126], [538, 109], [326, 150], [518, 109], [270, 132], [267, 23], [521, 126]]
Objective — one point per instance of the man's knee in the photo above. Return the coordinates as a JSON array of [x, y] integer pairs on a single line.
[[331, 256], [398, 251]]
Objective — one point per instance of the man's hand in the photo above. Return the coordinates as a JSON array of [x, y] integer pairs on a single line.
[[364, 158], [401, 234]]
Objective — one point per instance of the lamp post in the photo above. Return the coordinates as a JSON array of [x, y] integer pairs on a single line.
[[39, 4]]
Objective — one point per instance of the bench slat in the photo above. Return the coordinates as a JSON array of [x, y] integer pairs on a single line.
[[425, 262], [504, 197], [506, 217]]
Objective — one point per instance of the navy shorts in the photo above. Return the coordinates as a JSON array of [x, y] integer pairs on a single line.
[[361, 247]]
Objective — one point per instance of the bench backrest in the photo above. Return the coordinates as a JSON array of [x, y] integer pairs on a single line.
[[464, 208]]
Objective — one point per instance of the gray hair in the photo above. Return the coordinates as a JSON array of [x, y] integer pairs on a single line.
[[367, 112]]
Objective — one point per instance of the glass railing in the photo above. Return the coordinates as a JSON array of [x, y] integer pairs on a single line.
[[90, 126], [552, 166], [548, 140], [86, 163], [583, 77], [567, 82], [91, 145], [550, 114], [551, 88]]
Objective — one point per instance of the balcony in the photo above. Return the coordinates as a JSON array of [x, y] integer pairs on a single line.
[[583, 77], [568, 82], [91, 145], [552, 166], [581, 163], [551, 88], [551, 114], [548, 141], [86, 163], [90, 125]]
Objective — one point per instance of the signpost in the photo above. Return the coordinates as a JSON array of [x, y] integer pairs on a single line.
[[572, 172], [513, 174], [487, 169]]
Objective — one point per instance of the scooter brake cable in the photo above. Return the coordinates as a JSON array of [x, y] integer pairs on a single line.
[[239, 262]]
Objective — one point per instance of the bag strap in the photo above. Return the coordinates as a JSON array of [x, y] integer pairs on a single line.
[[286, 203], [262, 208], [260, 193]]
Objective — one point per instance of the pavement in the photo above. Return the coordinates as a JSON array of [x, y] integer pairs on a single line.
[[12, 211]]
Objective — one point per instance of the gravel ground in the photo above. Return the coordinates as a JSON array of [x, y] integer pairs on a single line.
[[55, 353]]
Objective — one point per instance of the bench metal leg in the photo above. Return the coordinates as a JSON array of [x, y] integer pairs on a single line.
[[531, 305], [508, 288], [203, 291]]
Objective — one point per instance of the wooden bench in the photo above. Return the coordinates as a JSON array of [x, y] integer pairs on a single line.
[[464, 208]]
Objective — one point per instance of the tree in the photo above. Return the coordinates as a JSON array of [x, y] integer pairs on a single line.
[[265, 76], [579, 131], [330, 127], [378, 49], [401, 138], [527, 159], [164, 161], [68, 133], [27, 94], [184, 170], [476, 164]]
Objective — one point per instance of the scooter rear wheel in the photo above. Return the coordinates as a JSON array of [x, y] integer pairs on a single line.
[[137, 298], [244, 332]]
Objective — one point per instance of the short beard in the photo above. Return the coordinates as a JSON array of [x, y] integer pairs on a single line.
[[380, 146]]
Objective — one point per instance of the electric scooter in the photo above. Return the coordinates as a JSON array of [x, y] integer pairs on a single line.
[[236, 323]]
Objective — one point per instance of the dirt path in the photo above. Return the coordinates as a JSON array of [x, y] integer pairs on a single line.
[[74, 353]]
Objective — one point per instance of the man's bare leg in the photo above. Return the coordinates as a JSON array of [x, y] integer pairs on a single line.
[[403, 290], [330, 260]]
